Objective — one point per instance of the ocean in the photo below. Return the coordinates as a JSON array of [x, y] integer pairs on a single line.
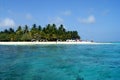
[[60, 62]]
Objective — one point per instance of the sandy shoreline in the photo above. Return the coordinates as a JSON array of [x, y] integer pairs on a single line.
[[35, 43]]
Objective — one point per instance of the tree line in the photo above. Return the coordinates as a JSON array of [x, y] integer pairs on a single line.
[[50, 33]]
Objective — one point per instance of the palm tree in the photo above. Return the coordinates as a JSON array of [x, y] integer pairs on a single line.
[[50, 32], [11, 30], [19, 33], [26, 29], [39, 28]]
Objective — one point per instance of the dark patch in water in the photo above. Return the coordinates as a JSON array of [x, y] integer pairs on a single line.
[[112, 67], [79, 70], [37, 78], [79, 78]]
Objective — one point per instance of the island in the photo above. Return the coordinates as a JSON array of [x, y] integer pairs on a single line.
[[50, 34], [37, 33]]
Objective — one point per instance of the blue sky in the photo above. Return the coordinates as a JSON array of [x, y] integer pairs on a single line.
[[96, 20]]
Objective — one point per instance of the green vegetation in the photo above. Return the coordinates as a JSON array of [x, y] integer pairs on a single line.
[[49, 33]]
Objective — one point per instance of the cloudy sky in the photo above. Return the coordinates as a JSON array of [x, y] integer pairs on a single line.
[[96, 20]]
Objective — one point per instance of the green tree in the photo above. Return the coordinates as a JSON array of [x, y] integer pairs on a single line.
[[26, 30], [19, 33], [11, 30], [26, 37], [39, 28], [49, 32], [5, 31], [35, 32], [61, 32]]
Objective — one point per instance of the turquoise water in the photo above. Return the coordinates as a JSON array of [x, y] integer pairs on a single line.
[[60, 62]]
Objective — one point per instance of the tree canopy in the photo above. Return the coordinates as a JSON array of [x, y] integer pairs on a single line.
[[50, 33]]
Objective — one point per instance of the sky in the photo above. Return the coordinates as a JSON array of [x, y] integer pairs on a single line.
[[97, 20]]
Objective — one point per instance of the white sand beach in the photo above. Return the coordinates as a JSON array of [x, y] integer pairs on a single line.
[[37, 43]]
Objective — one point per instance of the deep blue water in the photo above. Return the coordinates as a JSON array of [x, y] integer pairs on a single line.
[[60, 62]]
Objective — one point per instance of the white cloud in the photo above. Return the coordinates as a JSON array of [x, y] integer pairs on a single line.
[[28, 16], [66, 13], [89, 20], [7, 22], [56, 20]]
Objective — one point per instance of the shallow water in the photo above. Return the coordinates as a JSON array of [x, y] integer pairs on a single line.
[[60, 62]]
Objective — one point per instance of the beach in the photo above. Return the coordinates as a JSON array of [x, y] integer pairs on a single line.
[[35, 43]]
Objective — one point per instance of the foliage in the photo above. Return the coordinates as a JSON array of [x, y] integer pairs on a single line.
[[49, 33]]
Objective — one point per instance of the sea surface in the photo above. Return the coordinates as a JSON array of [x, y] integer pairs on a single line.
[[60, 62]]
